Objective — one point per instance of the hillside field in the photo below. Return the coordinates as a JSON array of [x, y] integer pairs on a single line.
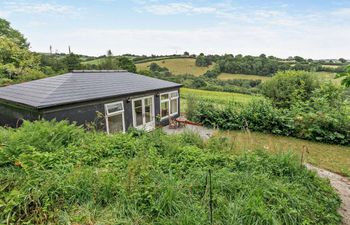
[[177, 66], [230, 76]]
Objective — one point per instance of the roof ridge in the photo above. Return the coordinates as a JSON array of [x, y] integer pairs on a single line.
[[99, 71], [66, 76]]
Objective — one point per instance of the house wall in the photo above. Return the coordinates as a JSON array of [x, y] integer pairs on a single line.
[[84, 113], [12, 115]]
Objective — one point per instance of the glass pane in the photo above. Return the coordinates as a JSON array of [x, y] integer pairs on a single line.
[[174, 94], [115, 107], [164, 96], [138, 112], [173, 106], [164, 109], [138, 103], [115, 123], [148, 109], [148, 101]]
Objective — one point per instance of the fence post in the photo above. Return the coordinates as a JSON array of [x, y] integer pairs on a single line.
[[210, 199]]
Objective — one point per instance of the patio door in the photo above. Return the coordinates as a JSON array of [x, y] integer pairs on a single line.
[[143, 113]]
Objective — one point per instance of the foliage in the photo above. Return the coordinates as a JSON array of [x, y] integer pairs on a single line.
[[150, 178], [7, 31], [323, 117], [71, 61], [346, 76], [16, 61], [202, 61], [126, 64], [287, 87]]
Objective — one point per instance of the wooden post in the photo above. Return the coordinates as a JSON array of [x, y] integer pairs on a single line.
[[210, 199]]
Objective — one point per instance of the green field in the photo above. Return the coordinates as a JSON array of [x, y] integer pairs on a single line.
[[331, 157], [177, 66], [93, 62], [328, 76], [230, 76], [216, 96]]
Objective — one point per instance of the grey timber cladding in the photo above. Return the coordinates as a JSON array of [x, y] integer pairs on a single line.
[[79, 87]]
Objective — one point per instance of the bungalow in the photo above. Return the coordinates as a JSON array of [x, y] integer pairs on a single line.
[[123, 99]]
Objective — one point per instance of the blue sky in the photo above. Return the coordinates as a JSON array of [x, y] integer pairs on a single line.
[[310, 28]]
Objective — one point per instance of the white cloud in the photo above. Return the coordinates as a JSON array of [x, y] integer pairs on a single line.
[[40, 8], [177, 8], [344, 12]]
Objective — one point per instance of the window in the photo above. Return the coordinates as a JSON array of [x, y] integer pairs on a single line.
[[169, 104], [115, 117]]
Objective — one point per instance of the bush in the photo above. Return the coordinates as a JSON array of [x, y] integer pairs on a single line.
[[72, 176], [287, 87]]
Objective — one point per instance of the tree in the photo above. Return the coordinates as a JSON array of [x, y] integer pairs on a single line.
[[186, 53], [16, 61], [72, 61], [126, 64], [287, 87], [7, 31], [346, 76], [342, 60], [299, 59], [202, 61]]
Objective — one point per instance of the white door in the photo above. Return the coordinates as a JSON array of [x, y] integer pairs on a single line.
[[143, 113]]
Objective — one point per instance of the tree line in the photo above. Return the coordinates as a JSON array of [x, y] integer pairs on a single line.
[[261, 65]]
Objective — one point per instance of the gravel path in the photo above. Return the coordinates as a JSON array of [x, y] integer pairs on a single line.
[[342, 185]]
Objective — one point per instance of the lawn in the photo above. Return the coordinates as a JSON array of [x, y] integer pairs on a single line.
[[177, 66], [230, 76], [331, 157]]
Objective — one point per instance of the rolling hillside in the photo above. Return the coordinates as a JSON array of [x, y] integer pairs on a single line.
[[177, 66]]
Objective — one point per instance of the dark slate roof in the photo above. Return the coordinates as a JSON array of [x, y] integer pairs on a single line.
[[79, 87]]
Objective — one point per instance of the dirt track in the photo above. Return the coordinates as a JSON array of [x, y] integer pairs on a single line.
[[342, 185]]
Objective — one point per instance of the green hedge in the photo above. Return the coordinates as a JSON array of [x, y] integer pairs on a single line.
[[329, 126]]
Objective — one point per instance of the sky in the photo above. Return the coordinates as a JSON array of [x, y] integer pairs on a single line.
[[318, 29]]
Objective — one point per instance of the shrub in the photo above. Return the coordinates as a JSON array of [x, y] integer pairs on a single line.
[[287, 87]]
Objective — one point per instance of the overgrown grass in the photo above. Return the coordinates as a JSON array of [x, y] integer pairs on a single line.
[[335, 158], [57, 173], [177, 66], [230, 76]]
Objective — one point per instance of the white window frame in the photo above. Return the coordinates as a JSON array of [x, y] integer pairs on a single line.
[[144, 124], [107, 114], [169, 103]]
